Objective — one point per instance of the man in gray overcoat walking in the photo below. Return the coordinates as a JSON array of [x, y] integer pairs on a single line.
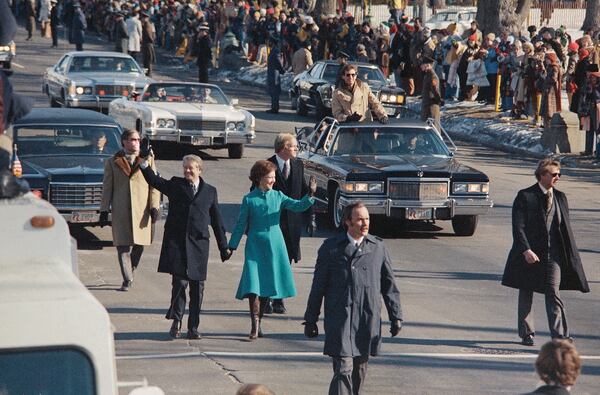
[[353, 272]]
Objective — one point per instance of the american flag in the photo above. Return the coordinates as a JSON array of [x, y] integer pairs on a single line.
[[17, 169]]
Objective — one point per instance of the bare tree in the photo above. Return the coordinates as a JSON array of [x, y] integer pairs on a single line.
[[592, 15], [324, 7], [501, 15]]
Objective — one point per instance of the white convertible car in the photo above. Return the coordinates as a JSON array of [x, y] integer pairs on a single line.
[[171, 113]]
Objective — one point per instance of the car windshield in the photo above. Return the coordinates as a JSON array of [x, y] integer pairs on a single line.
[[187, 93], [366, 74], [444, 16], [103, 64], [388, 141], [67, 140]]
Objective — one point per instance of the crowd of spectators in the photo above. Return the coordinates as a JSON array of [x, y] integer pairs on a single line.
[[526, 73]]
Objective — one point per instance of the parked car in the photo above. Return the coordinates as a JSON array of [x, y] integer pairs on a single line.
[[92, 79], [7, 53], [403, 170], [173, 113], [313, 88], [462, 18], [62, 154]]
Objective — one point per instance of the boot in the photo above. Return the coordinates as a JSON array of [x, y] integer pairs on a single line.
[[261, 313], [254, 305]]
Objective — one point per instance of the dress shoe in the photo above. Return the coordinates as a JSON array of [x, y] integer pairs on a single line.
[[175, 328], [279, 308], [126, 285], [527, 340], [193, 335], [268, 308], [271, 111], [565, 338]]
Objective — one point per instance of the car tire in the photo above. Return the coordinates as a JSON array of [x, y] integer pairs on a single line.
[[465, 225], [334, 209], [53, 102], [235, 151], [301, 109]]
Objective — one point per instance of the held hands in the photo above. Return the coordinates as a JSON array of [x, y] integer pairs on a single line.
[[383, 120], [310, 329], [226, 254], [103, 219], [145, 148], [395, 327], [312, 186], [531, 257], [355, 117]]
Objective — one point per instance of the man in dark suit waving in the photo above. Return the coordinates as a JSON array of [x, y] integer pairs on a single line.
[[193, 205], [353, 273], [289, 179], [544, 257]]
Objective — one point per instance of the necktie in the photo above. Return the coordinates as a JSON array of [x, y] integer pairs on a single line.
[[549, 198], [193, 186], [286, 170]]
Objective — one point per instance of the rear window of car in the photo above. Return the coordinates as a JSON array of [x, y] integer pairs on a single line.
[[103, 64], [52, 371], [66, 140]]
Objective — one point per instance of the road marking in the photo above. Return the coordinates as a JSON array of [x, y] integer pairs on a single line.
[[320, 354], [17, 65]]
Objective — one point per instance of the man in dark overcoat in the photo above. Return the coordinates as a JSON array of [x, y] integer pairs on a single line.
[[78, 26], [148, 39], [544, 257], [274, 71], [193, 205], [202, 50], [353, 273], [120, 33], [431, 98], [289, 179]]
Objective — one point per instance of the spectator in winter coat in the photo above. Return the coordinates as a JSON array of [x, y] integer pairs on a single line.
[[134, 32], [477, 74], [302, 59], [551, 88]]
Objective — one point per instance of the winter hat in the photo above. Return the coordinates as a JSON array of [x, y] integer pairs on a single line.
[[473, 37], [583, 53], [573, 47]]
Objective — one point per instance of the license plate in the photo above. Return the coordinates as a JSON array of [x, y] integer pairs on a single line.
[[390, 111], [419, 213], [200, 140], [84, 216]]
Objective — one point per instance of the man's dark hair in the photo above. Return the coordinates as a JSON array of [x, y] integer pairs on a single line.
[[347, 212], [127, 133], [543, 166]]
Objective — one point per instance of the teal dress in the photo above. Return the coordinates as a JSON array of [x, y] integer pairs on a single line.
[[267, 270]]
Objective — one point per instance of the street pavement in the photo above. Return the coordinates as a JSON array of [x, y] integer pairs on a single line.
[[459, 335]]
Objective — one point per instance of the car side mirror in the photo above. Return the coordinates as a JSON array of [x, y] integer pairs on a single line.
[[235, 102]]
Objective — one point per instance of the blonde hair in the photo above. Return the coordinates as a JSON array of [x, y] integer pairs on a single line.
[[282, 139], [254, 389], [193, 158]]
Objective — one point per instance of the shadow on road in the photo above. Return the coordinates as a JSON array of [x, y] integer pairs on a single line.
[[449, 275], [86, 240]]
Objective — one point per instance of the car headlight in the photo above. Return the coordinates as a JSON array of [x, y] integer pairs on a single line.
[[471, 187], [240, 126], [165, 123], [170, 123], [83, 90], [384, 97], [231, 126], [362, 187], [4, 48]]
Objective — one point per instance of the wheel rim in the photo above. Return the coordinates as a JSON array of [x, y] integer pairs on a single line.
[[337, 209]]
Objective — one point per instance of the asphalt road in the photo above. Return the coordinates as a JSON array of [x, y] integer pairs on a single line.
[[459, 335]]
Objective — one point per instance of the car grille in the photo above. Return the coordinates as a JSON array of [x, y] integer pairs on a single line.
[[75, 195], [414, 190], [200, 124], [112, 90]]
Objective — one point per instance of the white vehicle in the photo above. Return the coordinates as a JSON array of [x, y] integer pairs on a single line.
[[55, 338], [186, 113], [462, 18]]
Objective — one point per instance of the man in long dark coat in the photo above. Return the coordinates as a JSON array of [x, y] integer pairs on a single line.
[[193, 205], [30, 14], [202, 50], [148, 39], [274, 71], [54, 22], [544, 256], [289, 180], [120, 33], [353, 272], [78, 26]]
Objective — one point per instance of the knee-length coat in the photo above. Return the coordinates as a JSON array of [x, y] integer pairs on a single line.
[[267, 270], [134, 32], [127, 194]]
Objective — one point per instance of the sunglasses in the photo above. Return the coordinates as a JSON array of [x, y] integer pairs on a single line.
[[555, 175], [351, 75]]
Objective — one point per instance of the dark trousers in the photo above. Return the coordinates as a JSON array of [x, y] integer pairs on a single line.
[[148, 65], [555, 309], [133, 54], [349, 375], [54, 30], [177, 309], [203, 74], [275, 100], [79, 46], [129, 259]]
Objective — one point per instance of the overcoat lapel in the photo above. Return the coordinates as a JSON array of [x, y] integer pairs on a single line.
[[123, 164]]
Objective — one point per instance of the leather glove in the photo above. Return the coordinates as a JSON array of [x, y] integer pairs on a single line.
[[103, 218], [395, 327], [355, 117], [154, 214], [310, 329], [383, 120], [145, 148], [226, 254], [312, 186]]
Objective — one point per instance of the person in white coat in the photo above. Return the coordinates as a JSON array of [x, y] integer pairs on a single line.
[[134, 30], [477, 74]]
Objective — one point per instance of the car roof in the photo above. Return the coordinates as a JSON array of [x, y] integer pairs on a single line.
[[99, 53], [363, 64], [183, 83], [43, 116], [402, 122]]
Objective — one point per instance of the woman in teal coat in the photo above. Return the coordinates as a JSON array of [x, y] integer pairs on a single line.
[[267, 272]]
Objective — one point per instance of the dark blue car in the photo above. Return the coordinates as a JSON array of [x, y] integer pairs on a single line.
[[62, 152]]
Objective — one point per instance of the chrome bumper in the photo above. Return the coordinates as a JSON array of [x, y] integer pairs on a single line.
[[202, 139], [93, 102], [445, 209]]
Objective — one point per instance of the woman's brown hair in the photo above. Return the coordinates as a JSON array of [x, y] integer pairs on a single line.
[[260, 169]]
